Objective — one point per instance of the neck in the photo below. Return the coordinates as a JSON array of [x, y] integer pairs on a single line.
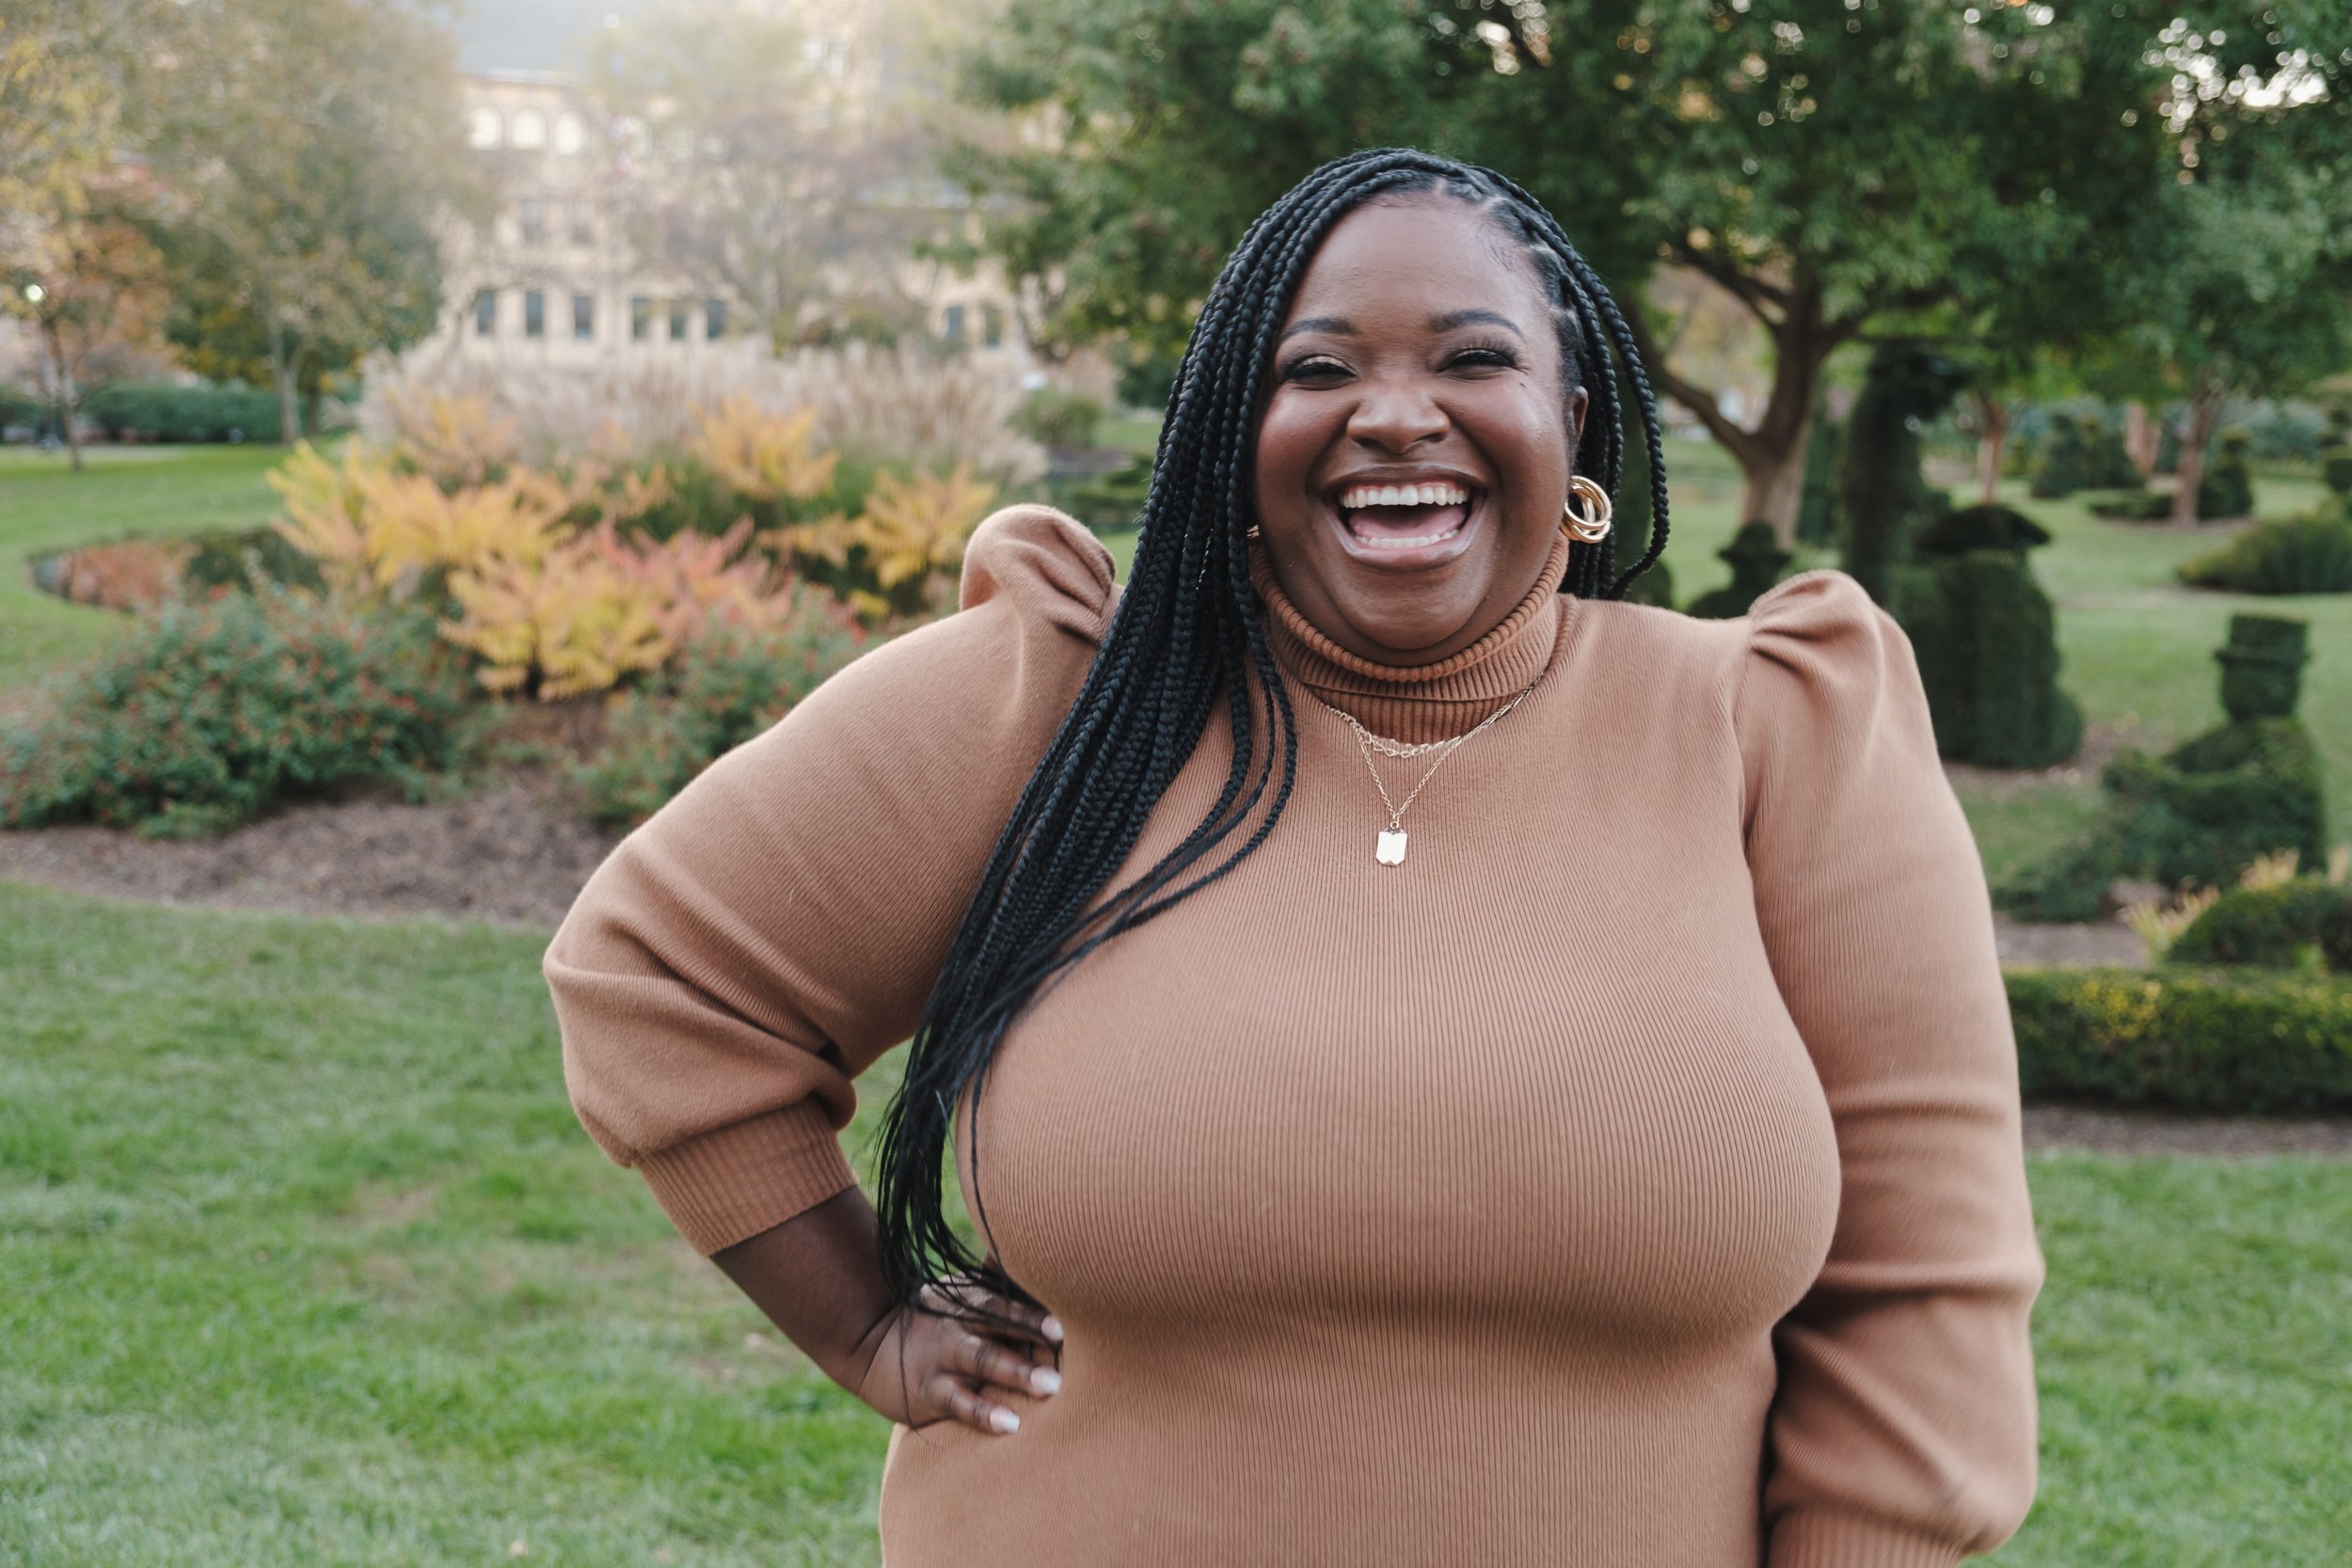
[[1422, 702]]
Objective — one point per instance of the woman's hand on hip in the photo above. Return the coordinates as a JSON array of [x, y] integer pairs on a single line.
[[926, 1367]]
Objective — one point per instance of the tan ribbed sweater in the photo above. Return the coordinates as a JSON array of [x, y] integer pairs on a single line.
[[1631, 1178]]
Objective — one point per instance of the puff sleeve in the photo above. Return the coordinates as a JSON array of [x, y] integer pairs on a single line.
[[747, 951], [1903, 1429]]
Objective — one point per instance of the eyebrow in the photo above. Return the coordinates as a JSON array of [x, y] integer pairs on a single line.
[[1339, 327], [1453, 319]]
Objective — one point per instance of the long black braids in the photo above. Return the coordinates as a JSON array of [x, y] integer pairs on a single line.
[[1187, 642]]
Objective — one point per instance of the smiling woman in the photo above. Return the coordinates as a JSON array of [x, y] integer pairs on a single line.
[[1631, 1174]]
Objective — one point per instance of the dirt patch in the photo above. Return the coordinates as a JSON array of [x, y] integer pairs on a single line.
[[516, 855], [2057, 1128]]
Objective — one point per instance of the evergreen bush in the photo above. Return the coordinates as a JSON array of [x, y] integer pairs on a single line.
[[1986, 637], [1881, 496], [1757, 560], [207, 715], [2227, 487], [2272, 927], [2228, 1042], [1054, 418], [161, 411], [1817, 510], [2335, 469], [2144, 506], [2106, 465], [2210, 807], [2306, 554], [727, 687], [2059, 462]]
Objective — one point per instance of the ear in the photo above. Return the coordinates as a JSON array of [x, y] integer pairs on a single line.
[[1579, 402]]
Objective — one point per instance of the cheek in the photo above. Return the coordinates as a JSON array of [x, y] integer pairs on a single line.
[[1291, 436]]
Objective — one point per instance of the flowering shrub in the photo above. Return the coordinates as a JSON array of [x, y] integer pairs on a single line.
[[204, 717], [2229, 1040], [727, 687]]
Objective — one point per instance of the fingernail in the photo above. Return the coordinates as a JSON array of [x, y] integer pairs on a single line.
[[1004, 1420], [1052, 1326], [1044, 1380]]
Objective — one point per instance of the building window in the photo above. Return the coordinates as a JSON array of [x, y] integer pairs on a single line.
[[640, 318], [715, 319], [483, 127], [992, 326], [531, 216], [530, 128], [584, 318], [535, 313], [677, 321], [485, 312], [954, 333], [570, 135]]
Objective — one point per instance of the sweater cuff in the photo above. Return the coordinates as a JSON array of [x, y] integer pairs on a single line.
[[728, 1185], [1812, 1537]]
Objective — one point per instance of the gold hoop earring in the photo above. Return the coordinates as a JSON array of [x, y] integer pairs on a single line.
[[1591, 525]]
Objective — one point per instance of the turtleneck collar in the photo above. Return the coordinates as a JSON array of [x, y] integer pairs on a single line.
[[1421, 703]]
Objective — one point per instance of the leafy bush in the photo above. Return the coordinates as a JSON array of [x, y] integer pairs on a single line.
[[160, 411], [2307, 554], [1986, 637], [1054, 418], [2214, 1040], [2273, 927], [2106, 465], [2135, 506], [2058, 461], [205, 716], [729, 687]]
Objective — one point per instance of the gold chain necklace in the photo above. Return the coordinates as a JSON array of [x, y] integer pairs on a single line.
[[1389, 850]]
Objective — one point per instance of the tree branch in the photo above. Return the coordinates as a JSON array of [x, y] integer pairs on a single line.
[[1753, 293], [1740, 442]]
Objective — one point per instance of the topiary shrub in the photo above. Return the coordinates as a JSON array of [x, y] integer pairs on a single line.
[[2146, 506], [214, 711], [2306, 554], [2106, 465], [2335, 470], [2226, 489], [2059, 460], [2210, 807], [1054, 418], [2214, 1040], [1817, 509], [1757, 560], [1986, 637], [2272, 927], [1882, 495], [727, 687]]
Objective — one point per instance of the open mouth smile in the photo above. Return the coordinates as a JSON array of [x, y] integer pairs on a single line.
[[1405, 525]]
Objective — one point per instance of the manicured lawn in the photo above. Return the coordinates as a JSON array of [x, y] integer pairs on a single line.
[[303, 1259], [125, 491]]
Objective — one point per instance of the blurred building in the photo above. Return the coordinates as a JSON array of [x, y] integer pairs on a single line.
[[553, 279]]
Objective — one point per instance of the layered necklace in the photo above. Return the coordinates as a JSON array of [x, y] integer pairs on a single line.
[[1390, 849]]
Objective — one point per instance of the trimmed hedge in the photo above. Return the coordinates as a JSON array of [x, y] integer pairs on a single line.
[[2306, 554], [2246, 1042], [159, 411], [2272, 927]]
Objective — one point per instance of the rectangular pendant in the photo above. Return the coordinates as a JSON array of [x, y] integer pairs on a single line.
[[1391, 849]]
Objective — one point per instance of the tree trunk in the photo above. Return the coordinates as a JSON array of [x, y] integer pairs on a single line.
[[1775, 487], [61, 392], [2142, 438], [1772, 456], [2204, 412], [281, 370], [1992, 437]]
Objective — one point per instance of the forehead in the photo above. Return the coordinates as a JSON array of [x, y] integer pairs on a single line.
[[1428, 252]]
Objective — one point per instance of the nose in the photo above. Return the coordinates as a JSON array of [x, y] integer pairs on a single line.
[[1395, 415]]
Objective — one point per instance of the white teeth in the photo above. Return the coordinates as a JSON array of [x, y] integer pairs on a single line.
[[1403, 495], [1409, 544]]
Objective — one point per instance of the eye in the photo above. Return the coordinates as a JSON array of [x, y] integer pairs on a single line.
[[1313, 367], [1484, 357]]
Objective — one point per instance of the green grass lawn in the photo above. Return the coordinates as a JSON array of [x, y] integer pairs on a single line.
[[303, 1259], [125, 491]]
